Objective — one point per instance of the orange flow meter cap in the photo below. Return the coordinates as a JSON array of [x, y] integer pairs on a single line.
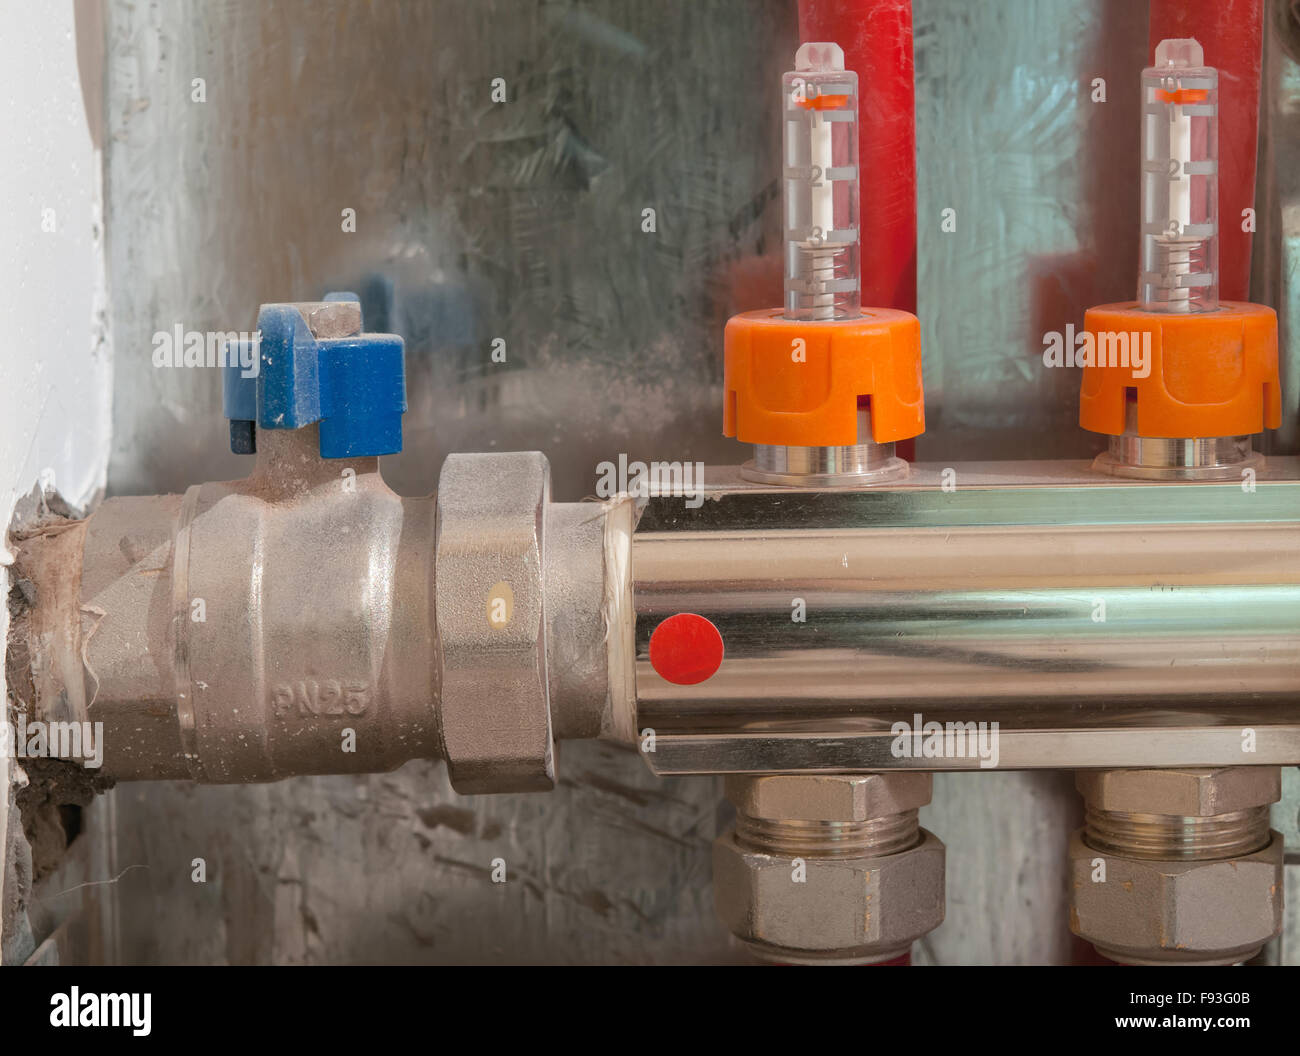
[[1207, 373], [798, 383]]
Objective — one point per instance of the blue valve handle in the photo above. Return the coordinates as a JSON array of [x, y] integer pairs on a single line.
[[354, 386]]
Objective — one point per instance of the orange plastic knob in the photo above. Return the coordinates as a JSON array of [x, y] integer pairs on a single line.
[[799, 384], [1204, 373]]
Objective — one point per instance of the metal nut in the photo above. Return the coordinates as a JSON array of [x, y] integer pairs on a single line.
[[1208, 912], [330, 319], [495, 700], [1194, 793], [829, 797], [848, 907]]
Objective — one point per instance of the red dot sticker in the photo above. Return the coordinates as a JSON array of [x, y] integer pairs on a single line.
[[686, 649]]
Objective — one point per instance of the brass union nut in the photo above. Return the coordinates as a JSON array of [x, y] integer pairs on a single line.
[[1168, 911], [489, 585], [829, 797], [850, 907], [1193, 793]]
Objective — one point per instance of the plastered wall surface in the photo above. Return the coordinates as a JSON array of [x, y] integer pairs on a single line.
[[55, 362]]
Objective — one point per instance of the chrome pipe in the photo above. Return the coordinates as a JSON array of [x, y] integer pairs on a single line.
[[849, 465], [1176, 458]]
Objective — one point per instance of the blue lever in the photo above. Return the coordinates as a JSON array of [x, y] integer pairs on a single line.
[[355, 386]]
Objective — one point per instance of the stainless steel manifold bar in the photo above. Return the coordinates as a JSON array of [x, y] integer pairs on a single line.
[[1089, 621], [309, 620]]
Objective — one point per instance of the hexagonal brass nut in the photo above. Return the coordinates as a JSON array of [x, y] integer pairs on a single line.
[[852, 907], [1212, 912], [829, 797], [1186, 792], [495, 699]]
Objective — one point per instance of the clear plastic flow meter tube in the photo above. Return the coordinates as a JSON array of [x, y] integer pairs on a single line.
[[1179, 265], [820, 141]]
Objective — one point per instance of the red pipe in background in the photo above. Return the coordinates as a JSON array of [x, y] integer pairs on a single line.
[[876, 36], [1231, 32]]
